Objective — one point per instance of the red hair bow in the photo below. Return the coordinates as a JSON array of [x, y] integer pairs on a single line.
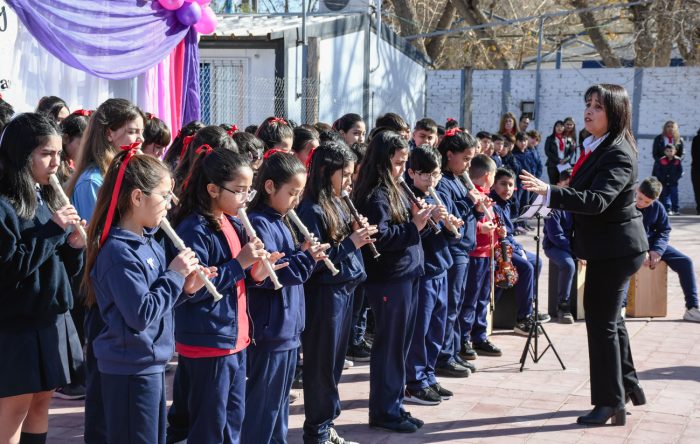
[[132, 150], [308, 159], [278, 120], [450, 119], [272, 151], [206, 149], [185, 143], [452, 131], [83, 112], [232, 131]]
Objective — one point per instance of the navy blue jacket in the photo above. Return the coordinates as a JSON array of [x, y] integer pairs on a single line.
[[136, 294], [399, 243], [669, 172], [346, 258], [535, 161], [496, 158], [501, 209], [524, 159], [279, 315], [452, 188], [36, 265], [558, 228], [657, 226], [436, 247], [512, 163], [200, 321]]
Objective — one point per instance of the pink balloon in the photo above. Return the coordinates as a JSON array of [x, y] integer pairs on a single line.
[[201, 2], [171, 4], [206, 24]]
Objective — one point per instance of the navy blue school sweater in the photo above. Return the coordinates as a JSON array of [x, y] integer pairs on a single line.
[[136, 294], [657, 226], [558, 228], [346, 258], [452, 188], [501, 208], [399, 243], [201, 321], [36, 265], [669, 172], [436, 247], [497, 159], [524, 160], [535, 161], [278, 315], [512, 163]]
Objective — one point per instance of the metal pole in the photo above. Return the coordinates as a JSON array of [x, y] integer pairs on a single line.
[[538, 76], [304, 64]]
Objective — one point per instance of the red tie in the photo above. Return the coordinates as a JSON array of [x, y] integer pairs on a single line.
[[579, 162]]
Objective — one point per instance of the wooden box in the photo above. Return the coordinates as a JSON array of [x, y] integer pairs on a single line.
[[648, 292]]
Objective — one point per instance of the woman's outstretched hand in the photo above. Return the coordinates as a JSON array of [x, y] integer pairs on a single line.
[[533, 184]]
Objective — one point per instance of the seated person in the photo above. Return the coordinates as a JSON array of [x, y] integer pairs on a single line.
[[658, 230], [524, 261]]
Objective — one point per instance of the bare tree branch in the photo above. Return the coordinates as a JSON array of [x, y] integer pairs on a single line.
[[436, 45], [596, 35], [470, 11]]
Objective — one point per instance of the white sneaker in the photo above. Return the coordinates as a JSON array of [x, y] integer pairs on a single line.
[[334, 438], [347, 364], [692, 315]]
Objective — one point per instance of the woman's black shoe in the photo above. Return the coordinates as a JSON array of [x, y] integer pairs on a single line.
[[636, 395], [600, 415]]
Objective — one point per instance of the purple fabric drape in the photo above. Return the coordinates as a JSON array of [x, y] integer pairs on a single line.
[[190, 79], [112, 39]]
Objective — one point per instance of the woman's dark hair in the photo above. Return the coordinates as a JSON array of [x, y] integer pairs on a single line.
[[20, 138], [249, 144], [252, 129], [172, 156], [328, 158], [217, 167], [393, 122], [51, 106], [424, 159], [376, 172], [554, 127], [302, 136], [215, 137], [96, 150], [155, 131], [346, 122], [618, 110], [6, 113], [456, 143], [273, 130], [359, 150], [279, 168], [143, 172]]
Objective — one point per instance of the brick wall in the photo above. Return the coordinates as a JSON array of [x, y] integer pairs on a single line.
[[658, 95]]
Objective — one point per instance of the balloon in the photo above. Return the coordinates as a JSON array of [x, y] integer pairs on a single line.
[[171, 4], [201, 2], [189, 13], [206, 24]]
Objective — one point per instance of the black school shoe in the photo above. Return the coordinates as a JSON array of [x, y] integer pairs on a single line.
[[465, 364], [467, 352], [359, 353], [402, 425], [415, 421], [487, 348], [452, 370], [424, 396], [443, 392]]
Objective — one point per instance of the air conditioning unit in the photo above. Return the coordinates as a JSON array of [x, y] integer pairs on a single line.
[[343, 6]]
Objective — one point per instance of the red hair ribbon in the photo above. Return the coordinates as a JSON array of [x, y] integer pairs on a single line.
[[185, 143], [206, 149], [83, 112], [452, 131], [308, 159], [450, 119], [277, 120], [272, 151], [132, 150], [232, 131]]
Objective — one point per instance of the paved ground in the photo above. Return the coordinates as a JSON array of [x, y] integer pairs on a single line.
[[539, 405]]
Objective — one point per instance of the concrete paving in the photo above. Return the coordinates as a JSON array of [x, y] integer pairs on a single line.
[[499, 404]]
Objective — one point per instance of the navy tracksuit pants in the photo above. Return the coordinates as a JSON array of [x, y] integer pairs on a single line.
[[457, 284], [524, 289], [358, 322], [394, 306], [134, 407], [566, 266], [215, 397], [178, 415], [95, 429], [429, 332], [325, 341], [473, 316], [270, 375]]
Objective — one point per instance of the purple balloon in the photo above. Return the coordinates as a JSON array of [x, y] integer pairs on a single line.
[[189, 13]]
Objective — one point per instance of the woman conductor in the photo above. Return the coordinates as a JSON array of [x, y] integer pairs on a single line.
[[609, 235]]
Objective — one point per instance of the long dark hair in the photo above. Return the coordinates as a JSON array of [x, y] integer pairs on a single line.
[[155, 131], [302, 136], [272, 130], [51, 106], [215, 137], [376, 172], [457, 143], [172, 156], [328, 158], [279, 168], [346, 122], [20, 138], [143, 172], [218, 166], [96, 150], [617, 109]]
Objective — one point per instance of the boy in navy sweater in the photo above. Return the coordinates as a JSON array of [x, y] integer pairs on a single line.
[[658, 231], [558, 228], [669, 171], [524, 261]]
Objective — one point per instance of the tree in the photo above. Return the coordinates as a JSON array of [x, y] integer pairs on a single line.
[[596, 35]]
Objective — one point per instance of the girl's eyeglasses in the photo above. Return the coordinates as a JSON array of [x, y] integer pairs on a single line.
[[248, 195], [167, 197], [428, 176]]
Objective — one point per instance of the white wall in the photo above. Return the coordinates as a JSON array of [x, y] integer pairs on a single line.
[[342, 76], [666, 94]]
